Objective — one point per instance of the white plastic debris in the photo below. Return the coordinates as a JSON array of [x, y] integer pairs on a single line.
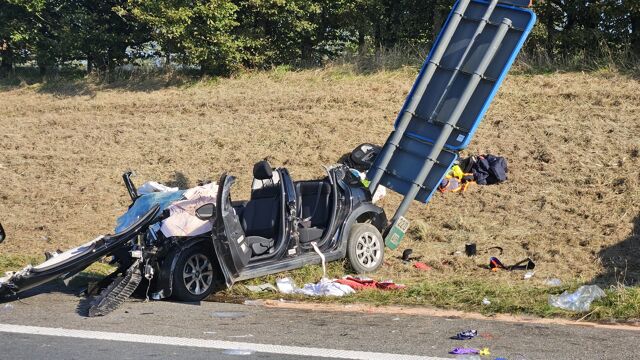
[[579, 301], [285, 285], [529, 274], [152, 186], [486, 301], [324, 287], [380, 192]]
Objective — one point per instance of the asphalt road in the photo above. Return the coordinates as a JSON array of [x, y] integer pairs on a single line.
[[50, 326]]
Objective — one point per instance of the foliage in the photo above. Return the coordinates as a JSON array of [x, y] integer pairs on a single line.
[[199, 33], [222, 36]]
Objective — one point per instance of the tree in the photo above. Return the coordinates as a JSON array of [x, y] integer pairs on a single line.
[[16, 34], [200, 32]]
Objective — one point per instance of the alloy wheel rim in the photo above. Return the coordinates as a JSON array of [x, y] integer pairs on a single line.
[[197, 274], [368, 250]]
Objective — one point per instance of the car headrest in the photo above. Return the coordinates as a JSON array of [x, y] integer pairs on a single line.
[[262, 170]]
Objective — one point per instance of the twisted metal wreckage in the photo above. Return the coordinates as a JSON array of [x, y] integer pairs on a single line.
[[284, 220]]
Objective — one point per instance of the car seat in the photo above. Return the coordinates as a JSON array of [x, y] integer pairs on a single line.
[[261, 214], [313, 197]]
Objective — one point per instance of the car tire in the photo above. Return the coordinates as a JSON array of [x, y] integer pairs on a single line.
[[194, 274], [365, 248]]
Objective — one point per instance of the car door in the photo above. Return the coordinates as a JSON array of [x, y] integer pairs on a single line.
[[229, 240]]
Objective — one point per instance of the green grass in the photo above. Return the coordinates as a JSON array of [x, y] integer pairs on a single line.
[[455, 293], [458, 293]]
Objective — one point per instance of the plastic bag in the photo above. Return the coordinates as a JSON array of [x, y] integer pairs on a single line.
[[579, 301], [286, 285]]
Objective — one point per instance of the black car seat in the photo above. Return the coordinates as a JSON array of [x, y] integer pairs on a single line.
[[261, 215], [314, 199]]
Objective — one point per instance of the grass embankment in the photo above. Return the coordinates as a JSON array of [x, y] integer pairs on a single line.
[[572, 201]]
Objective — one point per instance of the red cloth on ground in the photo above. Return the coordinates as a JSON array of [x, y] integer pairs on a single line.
[[421, 266], [359, 284]]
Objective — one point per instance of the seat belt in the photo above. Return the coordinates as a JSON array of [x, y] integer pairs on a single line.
[[306, 222]]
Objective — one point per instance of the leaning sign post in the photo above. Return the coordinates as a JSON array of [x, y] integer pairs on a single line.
[[465, 68]]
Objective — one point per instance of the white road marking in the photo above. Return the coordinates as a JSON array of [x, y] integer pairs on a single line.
[[210, 344]]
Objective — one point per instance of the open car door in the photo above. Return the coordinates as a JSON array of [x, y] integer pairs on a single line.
[[229, 240]]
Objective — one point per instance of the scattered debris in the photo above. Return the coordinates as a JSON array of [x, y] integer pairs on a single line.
[[464, 351], [579, 301], [407, 258], [465, 335], [485, 352], [553, 282], [266, 287], [285, 285], [486, 169], [456, 180], [495, 265], [358, 283], [529, 274], [324, 287], [422, 266], [486, 301], [470, 249]]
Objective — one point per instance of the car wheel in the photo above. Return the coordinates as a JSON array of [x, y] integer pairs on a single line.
[[365, 248], [193, 277]]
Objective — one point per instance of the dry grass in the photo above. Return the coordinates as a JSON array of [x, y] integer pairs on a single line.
[[571, 202]]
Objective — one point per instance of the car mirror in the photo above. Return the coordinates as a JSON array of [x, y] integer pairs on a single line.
[[206, 212], [2, 234]]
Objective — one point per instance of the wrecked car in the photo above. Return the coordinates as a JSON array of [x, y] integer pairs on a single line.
[[287, 224], [277, 229]]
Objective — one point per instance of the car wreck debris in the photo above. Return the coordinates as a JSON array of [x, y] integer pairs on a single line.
[[188, 243]]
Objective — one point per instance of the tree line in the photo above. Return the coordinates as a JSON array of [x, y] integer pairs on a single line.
[[221, 36]]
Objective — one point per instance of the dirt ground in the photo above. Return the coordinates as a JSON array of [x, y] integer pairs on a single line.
[[572, 201]]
